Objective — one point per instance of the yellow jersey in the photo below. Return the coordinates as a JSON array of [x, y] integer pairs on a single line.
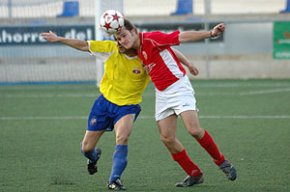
[[124, 78]]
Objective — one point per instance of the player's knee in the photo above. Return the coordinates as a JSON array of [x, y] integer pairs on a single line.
[[85, 147], [196, 132], [122, 139], [167, 140]]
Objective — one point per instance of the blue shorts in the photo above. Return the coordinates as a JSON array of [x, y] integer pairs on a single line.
[[104, 114]]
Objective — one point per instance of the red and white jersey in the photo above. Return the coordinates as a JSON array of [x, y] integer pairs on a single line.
[[159, 59]]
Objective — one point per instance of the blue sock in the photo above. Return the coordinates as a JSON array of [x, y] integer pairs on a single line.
[[91, 155], [119, 162]]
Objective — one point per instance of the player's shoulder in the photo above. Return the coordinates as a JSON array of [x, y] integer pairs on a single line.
[[105, 45], [157, 36], [104, 42], [152, 34], [158, 33]]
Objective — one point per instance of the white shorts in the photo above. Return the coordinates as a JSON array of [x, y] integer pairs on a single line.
[[175, 99]]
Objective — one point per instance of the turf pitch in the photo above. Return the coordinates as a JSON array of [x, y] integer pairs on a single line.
[[41, 127]]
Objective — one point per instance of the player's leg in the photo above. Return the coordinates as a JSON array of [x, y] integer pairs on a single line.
[[98, 121], [123, 125], [123, 129], [167, 128], [191, 122], [89, 142]]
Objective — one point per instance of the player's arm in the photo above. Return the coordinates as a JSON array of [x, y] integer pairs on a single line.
[[74, 43], [200, 35], [185, 61]]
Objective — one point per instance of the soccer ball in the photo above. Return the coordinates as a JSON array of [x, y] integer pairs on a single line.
[[111, 21]]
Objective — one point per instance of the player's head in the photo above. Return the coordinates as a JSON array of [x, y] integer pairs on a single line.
[[130, 52], [129, 26], [127, 36]]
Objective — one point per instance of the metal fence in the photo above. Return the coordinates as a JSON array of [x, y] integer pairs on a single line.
[[245, 51]]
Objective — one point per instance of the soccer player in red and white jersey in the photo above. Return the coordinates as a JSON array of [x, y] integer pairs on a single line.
[[175, 95]]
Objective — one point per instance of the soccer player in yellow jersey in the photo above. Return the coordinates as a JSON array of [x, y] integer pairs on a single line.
[[117, 107]]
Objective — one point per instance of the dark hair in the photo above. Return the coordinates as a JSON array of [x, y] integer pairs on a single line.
[[128, 25]]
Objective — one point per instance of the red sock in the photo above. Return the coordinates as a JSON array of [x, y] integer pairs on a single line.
[[185, 162], [210, 146]]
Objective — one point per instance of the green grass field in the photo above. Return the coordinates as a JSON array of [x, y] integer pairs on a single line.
[[41, 127]]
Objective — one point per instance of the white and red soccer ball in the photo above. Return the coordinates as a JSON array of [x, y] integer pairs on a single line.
[[111, 21]]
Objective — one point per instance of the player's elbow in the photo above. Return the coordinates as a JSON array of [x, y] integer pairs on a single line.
[[181, 39], [84, 49], [184, 37], [82, 46]]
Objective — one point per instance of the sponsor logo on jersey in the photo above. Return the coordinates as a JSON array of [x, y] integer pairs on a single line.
[[136, 70], [149, 67]]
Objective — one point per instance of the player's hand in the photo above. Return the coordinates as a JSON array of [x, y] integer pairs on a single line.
[[193, 70], [50, 36], [217, 30]]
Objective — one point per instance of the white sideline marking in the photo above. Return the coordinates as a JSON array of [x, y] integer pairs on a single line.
[[151, 94], [199, 85], [41, 118], [267, 91], [146, 117], [245, 117], [70, 95]]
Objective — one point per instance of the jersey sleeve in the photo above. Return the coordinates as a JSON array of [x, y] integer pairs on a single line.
[[165, 39], [102, 49]]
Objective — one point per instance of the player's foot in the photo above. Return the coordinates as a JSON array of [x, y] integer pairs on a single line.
[[229, 170], [116, 185], [190, 181], [92, 166]]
